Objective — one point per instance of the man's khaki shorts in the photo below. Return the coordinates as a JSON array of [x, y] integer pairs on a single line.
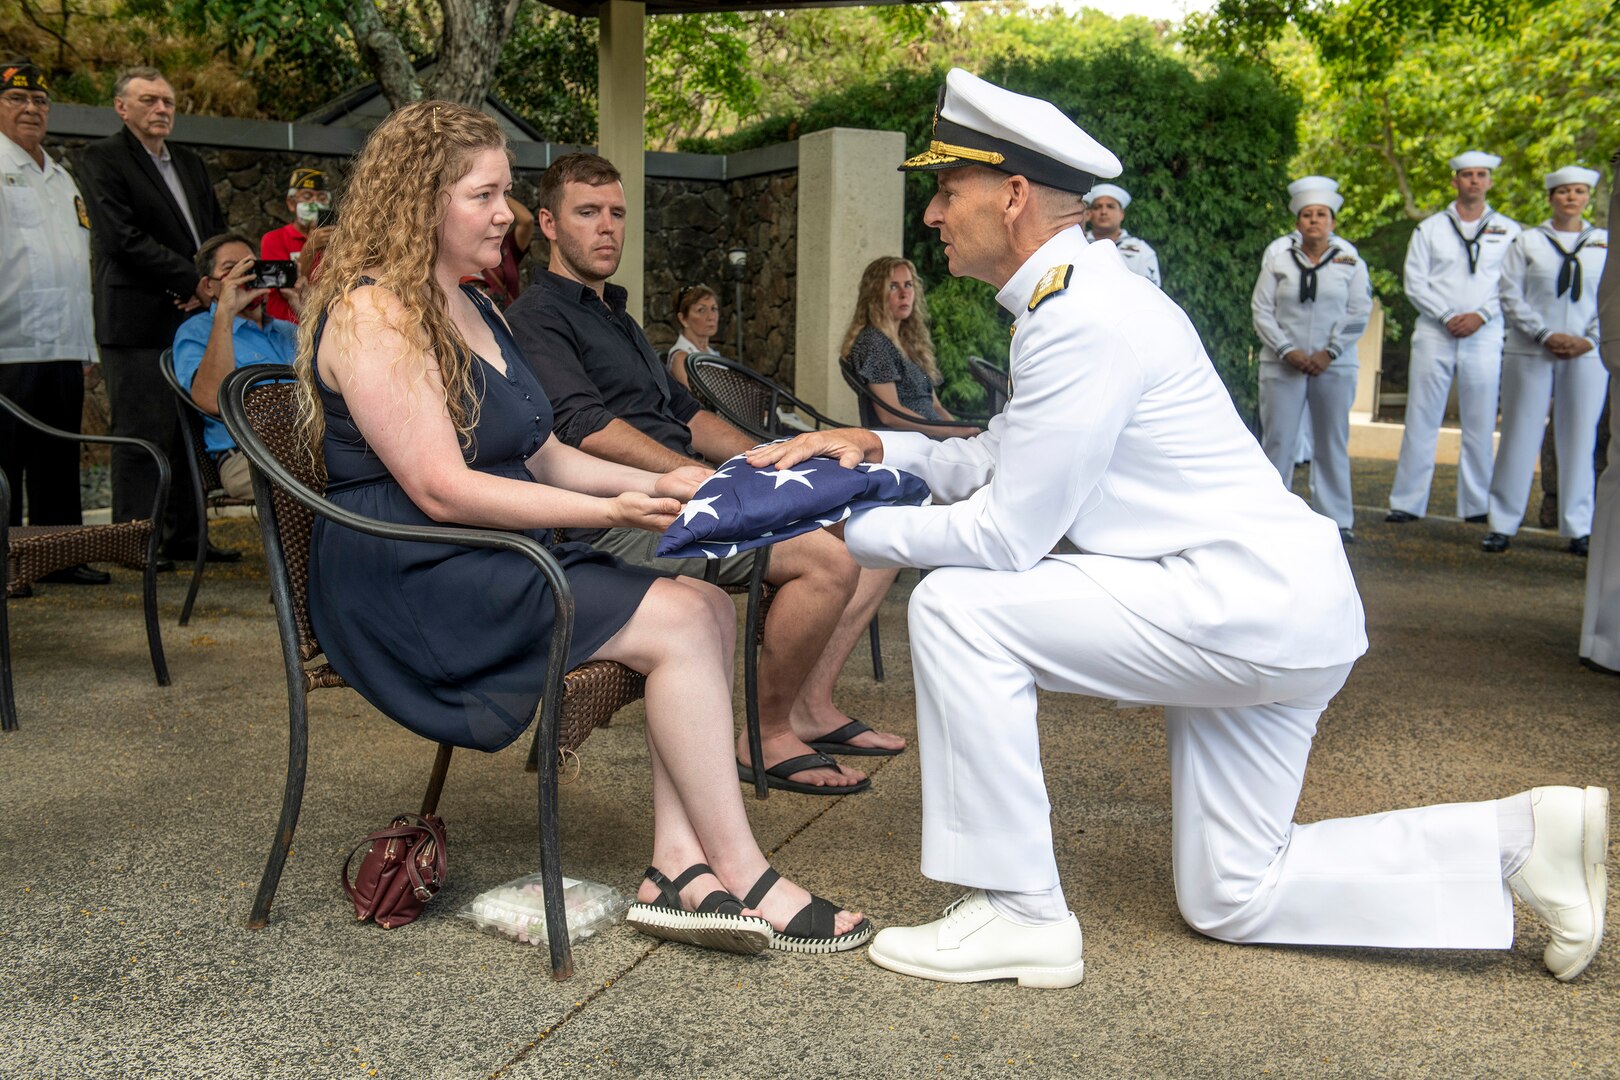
[[636, 547], [235, 474]]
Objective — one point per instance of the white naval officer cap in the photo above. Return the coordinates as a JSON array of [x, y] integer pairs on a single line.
[[1474, 159], [1314, 191], [1112, 191], [1572, 174], [980, 123]]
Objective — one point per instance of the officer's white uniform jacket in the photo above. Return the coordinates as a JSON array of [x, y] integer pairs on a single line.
[[1120, 437], [45, 299], [1438, 282], [1529, 289], [1139, 256], [1333, 321]]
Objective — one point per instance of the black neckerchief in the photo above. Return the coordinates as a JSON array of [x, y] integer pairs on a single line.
[[1569, 274], [1307, 273], [1471, 245]]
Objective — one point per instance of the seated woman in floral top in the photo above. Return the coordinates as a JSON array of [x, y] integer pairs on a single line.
[[889, 346]]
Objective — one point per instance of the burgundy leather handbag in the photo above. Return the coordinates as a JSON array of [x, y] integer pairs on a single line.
[[402, 869]]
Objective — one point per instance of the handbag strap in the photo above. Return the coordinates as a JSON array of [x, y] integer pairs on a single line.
[[405, 827]]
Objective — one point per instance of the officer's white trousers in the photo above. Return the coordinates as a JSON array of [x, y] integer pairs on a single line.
[[1475, 362], [1600, 623], [1239, 735], [1291, 400], [1575, 389]]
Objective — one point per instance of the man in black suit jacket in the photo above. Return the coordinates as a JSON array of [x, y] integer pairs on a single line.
[[151, 206]]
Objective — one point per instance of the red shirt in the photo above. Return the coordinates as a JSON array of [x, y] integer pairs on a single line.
[[285, 243]]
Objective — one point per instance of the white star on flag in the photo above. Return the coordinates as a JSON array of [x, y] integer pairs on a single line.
[[784, 475], [824, 522], [694, 507], [878, 466]]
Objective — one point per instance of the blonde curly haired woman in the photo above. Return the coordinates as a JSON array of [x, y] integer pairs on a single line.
[[428, 412], [890, 347]]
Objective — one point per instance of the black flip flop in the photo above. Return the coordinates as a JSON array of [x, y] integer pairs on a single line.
[[777, 776], [811, 930], [718, 922], [837, 742]]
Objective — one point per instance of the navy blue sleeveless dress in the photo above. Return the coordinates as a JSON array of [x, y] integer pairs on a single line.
[[452, 641]]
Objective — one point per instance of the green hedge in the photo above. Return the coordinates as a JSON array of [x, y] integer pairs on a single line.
[[1206, 158]]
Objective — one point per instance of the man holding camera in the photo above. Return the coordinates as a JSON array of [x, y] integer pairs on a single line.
[[151, 205], [234, 332], [305, 237]]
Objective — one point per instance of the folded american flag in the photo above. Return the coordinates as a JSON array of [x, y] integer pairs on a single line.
[[741, 507]]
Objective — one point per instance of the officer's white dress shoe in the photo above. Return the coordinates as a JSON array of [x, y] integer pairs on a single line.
[[1564, 878], [972, 943]]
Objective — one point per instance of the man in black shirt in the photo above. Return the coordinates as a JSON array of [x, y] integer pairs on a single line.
[[612, 398]]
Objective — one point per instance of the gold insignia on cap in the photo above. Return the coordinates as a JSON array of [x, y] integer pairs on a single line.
[[1052, 282], [939, 153]]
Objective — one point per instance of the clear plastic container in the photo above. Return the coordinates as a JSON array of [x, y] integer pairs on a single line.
[[517, 909]]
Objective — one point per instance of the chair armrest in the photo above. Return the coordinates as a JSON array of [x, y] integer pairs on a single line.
[[233, 409], [162, 462]]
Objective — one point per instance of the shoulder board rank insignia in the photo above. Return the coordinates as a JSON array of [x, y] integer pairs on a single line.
[[84, 215], [1052, 282], [1346, 260]]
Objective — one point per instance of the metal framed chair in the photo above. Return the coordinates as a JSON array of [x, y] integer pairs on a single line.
[[207, 490], [996, 382], [258, 408], [877, 413], [749, 401], [32, 551]]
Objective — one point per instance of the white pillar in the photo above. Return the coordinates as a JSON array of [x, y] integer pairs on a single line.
[[621, 127], [851, 207], [1370, 361]]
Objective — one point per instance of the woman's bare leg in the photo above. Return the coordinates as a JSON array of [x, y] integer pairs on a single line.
[[681, 638]]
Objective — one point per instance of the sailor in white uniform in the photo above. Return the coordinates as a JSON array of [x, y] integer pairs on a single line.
[[1106, 221], [1310, 306], [1452, 266], [1197, 583], [1600, 624], [1549, 297]]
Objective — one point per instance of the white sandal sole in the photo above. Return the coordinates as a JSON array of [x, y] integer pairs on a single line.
[[746, 935], [826, 946]]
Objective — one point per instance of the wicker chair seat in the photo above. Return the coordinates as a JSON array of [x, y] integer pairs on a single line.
[[37, 550]]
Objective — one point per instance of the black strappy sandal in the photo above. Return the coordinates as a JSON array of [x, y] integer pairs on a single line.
[[811, 930], [718, 922]]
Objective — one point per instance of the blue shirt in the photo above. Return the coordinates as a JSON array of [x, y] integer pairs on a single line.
[[275, 343]]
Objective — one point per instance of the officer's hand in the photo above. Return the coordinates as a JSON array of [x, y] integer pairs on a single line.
[[1462, 326], [234, 295], [850, 446]]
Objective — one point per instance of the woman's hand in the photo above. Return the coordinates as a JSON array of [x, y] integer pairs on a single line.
[[681, 483], [633, 510]]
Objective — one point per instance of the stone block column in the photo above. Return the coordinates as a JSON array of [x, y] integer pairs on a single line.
[[851, 207]]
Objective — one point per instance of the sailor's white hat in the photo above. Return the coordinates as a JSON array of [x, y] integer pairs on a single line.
[[1112, 191], [1572, 174], [1314, 191], [1474, 159], [980, 123]]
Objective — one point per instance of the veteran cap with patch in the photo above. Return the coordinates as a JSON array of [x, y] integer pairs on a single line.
[[1474, 159], [306, 179], [23, 77], [1572, 174], [980, 123]]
